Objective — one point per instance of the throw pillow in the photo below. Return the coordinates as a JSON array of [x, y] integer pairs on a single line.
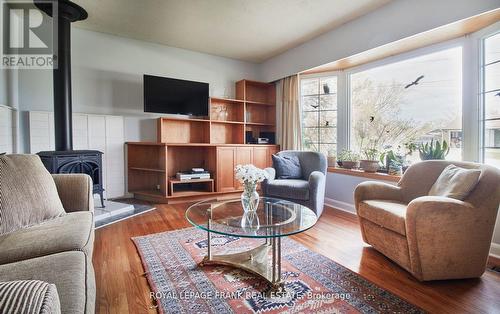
[[287, 167], [28, 194], [455, 182]]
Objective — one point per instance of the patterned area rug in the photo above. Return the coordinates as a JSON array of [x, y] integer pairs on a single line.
[[313, 283]]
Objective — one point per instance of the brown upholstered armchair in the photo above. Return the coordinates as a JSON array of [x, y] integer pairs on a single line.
[[431, 237]]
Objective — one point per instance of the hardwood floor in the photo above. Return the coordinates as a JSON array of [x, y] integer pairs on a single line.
[[122, 288]]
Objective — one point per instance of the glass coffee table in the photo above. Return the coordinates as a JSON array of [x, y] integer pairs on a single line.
[[273, 219]]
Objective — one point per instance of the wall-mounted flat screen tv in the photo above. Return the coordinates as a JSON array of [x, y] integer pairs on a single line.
[[169, 95]]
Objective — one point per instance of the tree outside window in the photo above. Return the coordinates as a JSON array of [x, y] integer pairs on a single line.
[[412, 101]]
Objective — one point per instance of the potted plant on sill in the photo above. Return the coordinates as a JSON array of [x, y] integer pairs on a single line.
[[396, 161], [348, 159], [332, 158], [430, 151], [371, 161]]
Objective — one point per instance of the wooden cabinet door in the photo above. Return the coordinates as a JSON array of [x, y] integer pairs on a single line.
[[244, 156], [271, 151], [260, 157], [226, 161]]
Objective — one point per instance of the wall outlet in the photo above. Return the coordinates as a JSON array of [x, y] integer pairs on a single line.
[[158, 187]]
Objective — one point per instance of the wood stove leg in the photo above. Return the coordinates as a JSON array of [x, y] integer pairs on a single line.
[[102, 200]]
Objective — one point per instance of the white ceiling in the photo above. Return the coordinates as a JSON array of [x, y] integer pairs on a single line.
[[249, 30]]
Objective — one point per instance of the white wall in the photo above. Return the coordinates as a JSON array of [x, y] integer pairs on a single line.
[[340, 190], [397, 20], [3, 87], [107, 79]]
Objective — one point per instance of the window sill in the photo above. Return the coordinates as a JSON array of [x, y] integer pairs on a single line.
[[360, 173]]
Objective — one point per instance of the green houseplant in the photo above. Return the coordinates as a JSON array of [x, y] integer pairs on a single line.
[[348, 159], [433, 150], [371, 161]]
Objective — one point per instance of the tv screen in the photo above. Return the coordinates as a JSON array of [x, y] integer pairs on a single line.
[[169, 95]]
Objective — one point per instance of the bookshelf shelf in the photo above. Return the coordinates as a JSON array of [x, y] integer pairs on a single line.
[[216, 143]]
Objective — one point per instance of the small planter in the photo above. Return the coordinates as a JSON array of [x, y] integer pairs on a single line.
[[369, 165], [350, 164], [332, 161]]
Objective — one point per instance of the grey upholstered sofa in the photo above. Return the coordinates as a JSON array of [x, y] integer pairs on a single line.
[[45, 266], [308, 190]]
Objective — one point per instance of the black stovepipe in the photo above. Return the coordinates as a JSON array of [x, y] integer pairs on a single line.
[[67, 12]]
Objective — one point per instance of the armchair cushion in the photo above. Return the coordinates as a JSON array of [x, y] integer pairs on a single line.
[[455, 182], [71, 232], [287, 167], [290, 188], [386, 213], [28, 193]]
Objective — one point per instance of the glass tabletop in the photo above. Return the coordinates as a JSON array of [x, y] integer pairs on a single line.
[[273, 218]]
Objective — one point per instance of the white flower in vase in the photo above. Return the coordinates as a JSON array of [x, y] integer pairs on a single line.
[[249, 176]]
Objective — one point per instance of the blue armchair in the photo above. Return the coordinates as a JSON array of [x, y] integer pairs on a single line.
[[309, 190]]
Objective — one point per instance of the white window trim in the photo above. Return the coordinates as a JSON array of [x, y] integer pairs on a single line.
[[472, 79], [477, 40]]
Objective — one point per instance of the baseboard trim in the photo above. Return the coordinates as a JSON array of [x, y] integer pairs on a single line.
[[495, 250], [343, 206]]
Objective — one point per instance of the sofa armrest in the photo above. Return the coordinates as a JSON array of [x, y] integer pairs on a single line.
[[75, 191], [317, 185], [374, 190], [446, 236], [34, 296], [316, 179]]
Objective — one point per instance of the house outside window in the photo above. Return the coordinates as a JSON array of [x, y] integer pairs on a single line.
[[410, 101], [319, 114], [491, 100]]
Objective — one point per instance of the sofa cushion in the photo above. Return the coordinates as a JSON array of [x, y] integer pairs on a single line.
[[388, 214], [73, 231], [287, 167], [28, 193], [68, 271], [29, 296], [290, 188], [455, 182]]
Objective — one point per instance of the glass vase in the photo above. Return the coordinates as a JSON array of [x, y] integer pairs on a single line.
[[250, 221], [250, 198]]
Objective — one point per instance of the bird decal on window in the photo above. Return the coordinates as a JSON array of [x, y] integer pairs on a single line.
[[415, 82]]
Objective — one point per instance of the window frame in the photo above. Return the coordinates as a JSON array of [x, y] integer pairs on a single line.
[[458, 42], [337, 75], [482, 36]]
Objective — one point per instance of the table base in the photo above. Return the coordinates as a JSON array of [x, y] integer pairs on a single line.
[[256, 261]]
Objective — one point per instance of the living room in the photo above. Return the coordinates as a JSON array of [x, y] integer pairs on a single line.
[[250, 156]]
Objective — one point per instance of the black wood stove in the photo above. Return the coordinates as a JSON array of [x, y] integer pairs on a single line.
[[76, 161], [64, 159]]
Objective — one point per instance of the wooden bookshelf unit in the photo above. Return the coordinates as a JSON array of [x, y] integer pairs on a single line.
[[217, 144]]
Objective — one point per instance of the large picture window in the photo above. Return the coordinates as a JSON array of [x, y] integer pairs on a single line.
[[411, 101], [491, 100], [319, 114]]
